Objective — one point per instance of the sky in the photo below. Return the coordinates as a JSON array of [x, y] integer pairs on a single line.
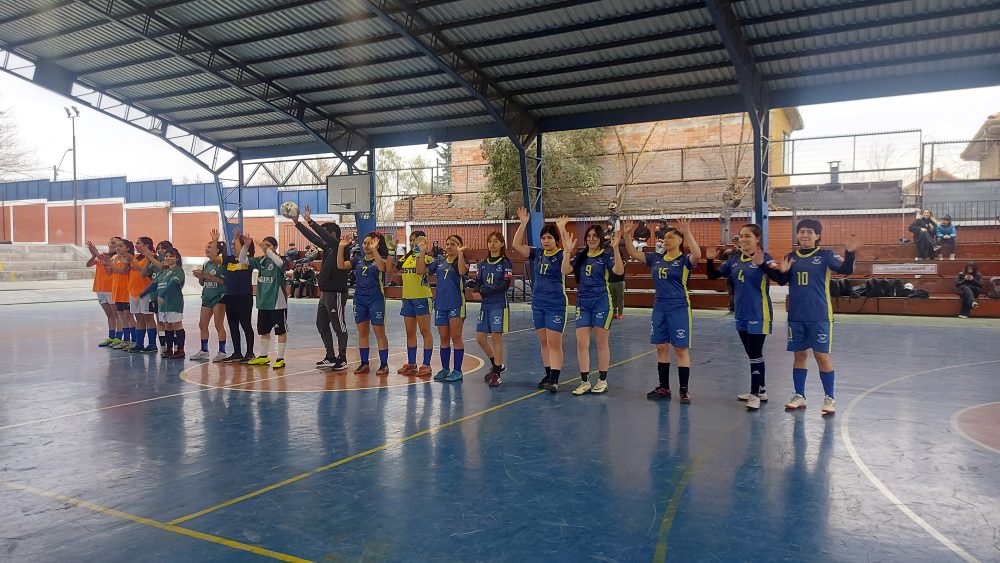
[[107, 147]]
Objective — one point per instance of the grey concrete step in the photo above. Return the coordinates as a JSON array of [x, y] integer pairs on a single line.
[[39, 275], [36, 248], [26, 265], [31, 257]]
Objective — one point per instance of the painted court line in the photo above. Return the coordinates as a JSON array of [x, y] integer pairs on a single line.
[[955, 426], [201, 389], [386, 446], [845, 430], [154, 524]]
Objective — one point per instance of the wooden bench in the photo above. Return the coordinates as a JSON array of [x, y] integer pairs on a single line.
[[938, 305]]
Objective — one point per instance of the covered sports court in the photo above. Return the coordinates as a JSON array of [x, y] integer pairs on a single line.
[[118, 457]]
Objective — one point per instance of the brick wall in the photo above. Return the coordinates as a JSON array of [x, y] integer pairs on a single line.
[[61, 224], [102, 221], [152, 222], [29, 223]]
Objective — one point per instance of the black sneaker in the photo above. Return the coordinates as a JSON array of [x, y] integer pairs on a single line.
[[326, 363], [660, 393], [339, 364], [234, 357], [246, 359], [551, 385], [541, 384]]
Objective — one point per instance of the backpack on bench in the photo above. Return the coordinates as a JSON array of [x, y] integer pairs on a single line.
[[994, 289]]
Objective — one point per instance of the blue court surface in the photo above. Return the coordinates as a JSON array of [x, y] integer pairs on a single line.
[[109, 456]]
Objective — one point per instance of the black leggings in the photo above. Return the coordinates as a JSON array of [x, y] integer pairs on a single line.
[[239, 311], [754, 346]]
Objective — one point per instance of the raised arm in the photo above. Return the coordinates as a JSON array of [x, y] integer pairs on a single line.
[[850, 248], [569, 245], [340, 262], [710, 256], [460, 264], [684, 225], [418, 254], [629, 227], [519, 244], [619, 267]]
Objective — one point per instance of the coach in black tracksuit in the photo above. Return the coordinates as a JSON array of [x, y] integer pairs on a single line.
[[333, 289]]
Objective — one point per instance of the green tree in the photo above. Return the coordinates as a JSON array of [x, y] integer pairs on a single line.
[[442, 176], [570, 169]]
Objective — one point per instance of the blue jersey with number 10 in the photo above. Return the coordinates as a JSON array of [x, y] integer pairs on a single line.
[[809, 283]]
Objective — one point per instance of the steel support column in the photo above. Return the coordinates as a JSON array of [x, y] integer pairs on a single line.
[[367, 222], [531, 189], [761, 121]]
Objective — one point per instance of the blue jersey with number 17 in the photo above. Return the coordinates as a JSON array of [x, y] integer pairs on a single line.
[[809, 283], [549, 285]]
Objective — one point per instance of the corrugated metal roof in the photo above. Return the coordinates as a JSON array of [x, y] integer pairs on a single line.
[[259, 73]]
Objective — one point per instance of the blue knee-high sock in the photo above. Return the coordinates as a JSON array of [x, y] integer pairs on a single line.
[[204, 345], [222, 346], [428, 352], [411, 355], [140, 338], [383, 357], [445, 358], [127, 334], [827, 378], [459, 356], [151, 336], [119, 334], [799, 380], [364, 354], [111, 333]]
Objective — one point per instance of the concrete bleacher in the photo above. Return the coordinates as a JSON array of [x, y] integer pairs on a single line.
[[43, 262]]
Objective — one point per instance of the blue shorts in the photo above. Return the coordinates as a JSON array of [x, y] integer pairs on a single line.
[[754, 327], [370, 309], [443, 316], [495, 321], [803, 335], [552, 318], [671, 326], [594, 313], [416, 307]]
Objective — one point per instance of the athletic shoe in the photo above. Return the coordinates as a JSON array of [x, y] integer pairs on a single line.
[[746, 396], [382, 371], [166, 353], [220, 357], [201, 355], [551, 385], [796, 402], [135, 350], [362, 369], [119, 345], [259, 361], [408, 370], [541, 384], [975, 304], [113, 341], [494, 380], [248, 358], [685, 398], [178, 355], [618, 316], [131, 346], [442, 375], [107, 342], [339, 364], [963, 316], [600, 387], [753, 402], [325, 362], [234, 357], [829, 405], [278, 364], [659, 393], [455, 375], [583, 388], [423, 371], [150, 350]]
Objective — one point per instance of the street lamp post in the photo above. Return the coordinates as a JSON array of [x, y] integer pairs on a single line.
[[76, 213]]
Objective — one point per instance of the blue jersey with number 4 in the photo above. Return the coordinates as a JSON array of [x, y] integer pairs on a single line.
[[750, 287]]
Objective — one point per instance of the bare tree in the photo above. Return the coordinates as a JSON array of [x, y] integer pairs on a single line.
[[15, 158], [630, 168]]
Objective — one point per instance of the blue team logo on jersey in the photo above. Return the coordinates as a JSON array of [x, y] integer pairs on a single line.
[[675, 263], [752, 265], [821, 338], [600, 314], [497, 318], [557, 319], [378, 315], [817, 260], [681, 333]]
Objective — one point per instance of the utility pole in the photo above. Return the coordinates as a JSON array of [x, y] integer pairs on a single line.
[[76, 212]]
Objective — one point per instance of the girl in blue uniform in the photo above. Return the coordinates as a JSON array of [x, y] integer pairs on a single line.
[[749, 271], [495, 273], [671, 305], [449, 303], [810, 310], [369, 299], [592, 266], [549, 266]]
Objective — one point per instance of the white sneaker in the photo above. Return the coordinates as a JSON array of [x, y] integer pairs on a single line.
[[746, 396], [582, 389], [762, 396], [600, 387], [753, 402], [975, 304], [829, 405], [201, 355], [796, 402], [963, 316], [121, 345], [220, 357]]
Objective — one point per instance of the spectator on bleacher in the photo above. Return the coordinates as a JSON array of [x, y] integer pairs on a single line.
[[658, 234], [306, 278], [946, 236], [968, 284], [400, 250], [616, 283], [292, 254], [312, 253], [436, 250], [725, 254], [641, 236], [924, 228], [292, 279]]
